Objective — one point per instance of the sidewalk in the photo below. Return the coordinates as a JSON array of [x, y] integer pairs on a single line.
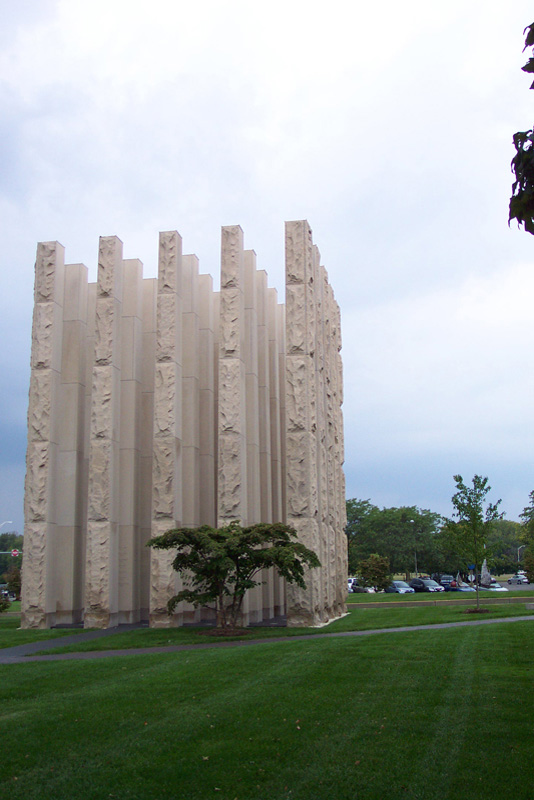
[[23, 653]]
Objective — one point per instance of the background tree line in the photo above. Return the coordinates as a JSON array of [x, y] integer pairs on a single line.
[[420, 540]]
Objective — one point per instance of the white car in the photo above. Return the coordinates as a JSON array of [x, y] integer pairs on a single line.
[[518, 579]]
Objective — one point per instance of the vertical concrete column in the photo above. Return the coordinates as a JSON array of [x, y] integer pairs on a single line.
[[270, 578], [167, 447], [277, 368], [148, 368], [341, 509], [130, 442], [322, 362], [277, 372], [232, 446], [303, 606], [190, 393], [101, 578], [70, 552], [254, 599], [251, 389], [264, 398], [38, 602], [207, 373]]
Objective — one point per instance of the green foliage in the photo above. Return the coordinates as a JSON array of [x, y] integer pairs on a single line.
[[474, 519], [10, 540], [13, 580], [4, 604], [528, 563], [527, 518], [522, 200], [219, 565], [402, 535], [374, 571]]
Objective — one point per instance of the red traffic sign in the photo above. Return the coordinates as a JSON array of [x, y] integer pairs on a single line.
[[15, 553]]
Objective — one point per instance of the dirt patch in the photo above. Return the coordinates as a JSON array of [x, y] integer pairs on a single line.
[[225, 632]]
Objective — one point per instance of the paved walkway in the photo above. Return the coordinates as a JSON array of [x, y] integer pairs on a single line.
[[24, 653]]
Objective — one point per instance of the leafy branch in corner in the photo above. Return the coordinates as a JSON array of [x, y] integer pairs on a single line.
[[522, 200]]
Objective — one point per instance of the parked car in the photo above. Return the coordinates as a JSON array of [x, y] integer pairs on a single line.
[[444, 579], [495, 587], [518, 579], [400, 587], [354, 586], [425, 585]]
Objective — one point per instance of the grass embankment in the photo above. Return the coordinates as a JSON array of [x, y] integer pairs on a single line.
[[358, 619], [11, 635], [356, 598], [429, 715]]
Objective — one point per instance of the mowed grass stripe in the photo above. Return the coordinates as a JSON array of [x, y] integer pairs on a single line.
[[410, 715], [358, 619]]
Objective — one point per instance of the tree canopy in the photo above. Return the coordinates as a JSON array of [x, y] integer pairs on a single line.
[[406, 536], [219, 565], [473, 517], [522, 199], [10, 540]]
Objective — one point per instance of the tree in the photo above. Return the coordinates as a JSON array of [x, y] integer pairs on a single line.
[[527, 517], [10, 540], [403, 535], [13, 580], [374, 571], [219, 565], [474, 518], [522, 200]]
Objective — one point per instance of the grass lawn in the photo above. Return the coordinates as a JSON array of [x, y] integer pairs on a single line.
[[358, 619], [10, 635], [355, 598], [426, 715]]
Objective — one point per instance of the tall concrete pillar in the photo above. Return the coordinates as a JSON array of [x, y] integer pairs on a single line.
[[148, 369], [232, 448], [130, 442], [303, 606], [190, 393], [167, 443], [207, 410], [101, 578], [38, 601], [70, 549]]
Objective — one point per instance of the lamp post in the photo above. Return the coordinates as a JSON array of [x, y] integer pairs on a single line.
[[7, 522], [518, 551], [412, 522]]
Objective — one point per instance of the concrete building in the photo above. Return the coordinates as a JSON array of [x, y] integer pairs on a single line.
[[158, 403]]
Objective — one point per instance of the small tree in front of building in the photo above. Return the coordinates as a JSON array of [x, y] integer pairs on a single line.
[[474, 516], [527, 518], [219, 565], [374, 571]]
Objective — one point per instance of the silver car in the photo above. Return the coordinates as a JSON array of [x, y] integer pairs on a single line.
[[518, 579]]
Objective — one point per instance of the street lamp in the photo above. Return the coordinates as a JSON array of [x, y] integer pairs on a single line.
[[412, 521], [518, 550], [7, 522]]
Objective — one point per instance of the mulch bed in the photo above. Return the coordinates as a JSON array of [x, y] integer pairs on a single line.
[[477, 611], [225, 632]]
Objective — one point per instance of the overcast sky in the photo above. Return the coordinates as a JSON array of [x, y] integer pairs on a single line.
[[387, 126]]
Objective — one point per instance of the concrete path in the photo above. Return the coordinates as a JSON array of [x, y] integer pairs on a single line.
[[23, 653]]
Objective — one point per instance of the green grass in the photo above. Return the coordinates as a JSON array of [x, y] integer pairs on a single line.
[[440, 597], [11, 635], [358, 619], [429, 715]]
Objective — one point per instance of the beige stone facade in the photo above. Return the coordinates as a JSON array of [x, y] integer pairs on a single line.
[[157, 403]]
